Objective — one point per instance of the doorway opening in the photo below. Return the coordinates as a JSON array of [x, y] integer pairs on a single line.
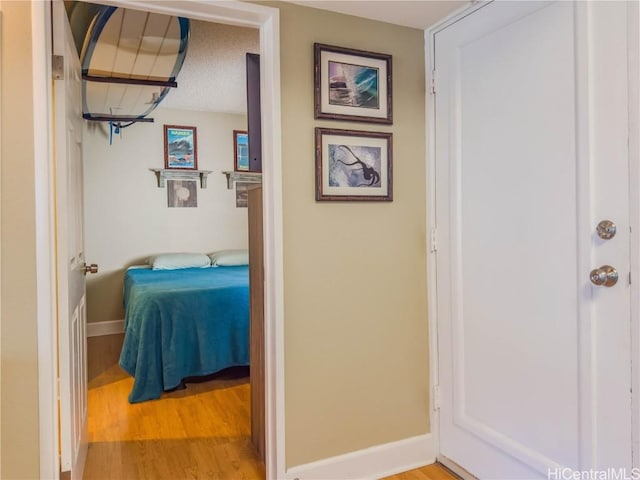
[[266, 20], [145, 218]]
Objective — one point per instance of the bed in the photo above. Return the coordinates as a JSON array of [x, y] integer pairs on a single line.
[[183, 323]]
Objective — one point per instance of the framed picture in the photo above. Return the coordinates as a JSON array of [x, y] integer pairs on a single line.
[[242, 194], [353, 165], [241, 150], [180, 147], [182, 193], [352, 85]]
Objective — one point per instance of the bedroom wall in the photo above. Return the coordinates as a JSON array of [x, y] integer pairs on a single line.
[[356, 340], [127, 218]]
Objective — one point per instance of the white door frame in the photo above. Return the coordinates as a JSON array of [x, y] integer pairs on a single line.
[[46, 278], [634, 209], [266, 19], [633, 36], [432, 297]]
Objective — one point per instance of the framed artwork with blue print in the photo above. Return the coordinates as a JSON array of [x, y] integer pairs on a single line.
[[352, 85], [241, 150], [180, 148], [353, 165]]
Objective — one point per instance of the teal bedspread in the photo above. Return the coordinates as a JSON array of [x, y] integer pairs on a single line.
[[183, 323]]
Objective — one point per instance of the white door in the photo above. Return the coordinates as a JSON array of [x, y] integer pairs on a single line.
[[531, 154], [70, 250]]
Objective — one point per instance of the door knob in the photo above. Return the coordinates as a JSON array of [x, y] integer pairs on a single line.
[[93, 268], [606, 229], [606, 276]]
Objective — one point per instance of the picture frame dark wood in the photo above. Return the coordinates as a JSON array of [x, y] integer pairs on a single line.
[[353, 165], [180, 147], [352, 85], [241, 151]]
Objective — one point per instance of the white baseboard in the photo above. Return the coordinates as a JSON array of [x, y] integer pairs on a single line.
[[371, 463], [455, 468], [111, 327]]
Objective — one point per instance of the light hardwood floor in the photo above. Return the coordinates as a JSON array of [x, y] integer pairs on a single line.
[[202, 432], [430, 472]]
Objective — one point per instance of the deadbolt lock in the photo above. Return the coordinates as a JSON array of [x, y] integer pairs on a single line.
[[606, 229]]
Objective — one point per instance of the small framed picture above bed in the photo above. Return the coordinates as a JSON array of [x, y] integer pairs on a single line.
[[180, 147], [242, 194], [241, 150], [182, 193]]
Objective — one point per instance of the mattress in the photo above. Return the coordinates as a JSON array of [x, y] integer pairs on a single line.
[[183, 323]]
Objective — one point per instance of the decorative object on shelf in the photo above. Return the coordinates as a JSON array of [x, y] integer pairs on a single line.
[[242, 194], [244, 177], [130, 61], [182, 193], [353, 165], [352, 85], [241, 150], [180, 147], [163, 175]]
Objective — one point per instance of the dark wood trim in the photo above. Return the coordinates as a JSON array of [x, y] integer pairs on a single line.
[[254, 115], [129, 81], [116, 119], [256, 295]]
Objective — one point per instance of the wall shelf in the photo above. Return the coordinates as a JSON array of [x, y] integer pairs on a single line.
[[163, 175], [243, 177]]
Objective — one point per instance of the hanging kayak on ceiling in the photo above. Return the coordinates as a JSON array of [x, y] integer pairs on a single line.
[[130, 61]]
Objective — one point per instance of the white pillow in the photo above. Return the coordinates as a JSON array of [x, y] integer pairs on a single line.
[[174, 261], [229, 258]]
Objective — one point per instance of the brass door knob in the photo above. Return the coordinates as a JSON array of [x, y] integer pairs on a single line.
[[605, 276]]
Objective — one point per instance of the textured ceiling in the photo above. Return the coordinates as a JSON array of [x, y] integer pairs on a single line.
[[410, 13], [212, 77]]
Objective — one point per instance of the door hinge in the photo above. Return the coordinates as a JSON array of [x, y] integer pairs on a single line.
[[436, 397], [433, 82], [433, 240], [57, 67]]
